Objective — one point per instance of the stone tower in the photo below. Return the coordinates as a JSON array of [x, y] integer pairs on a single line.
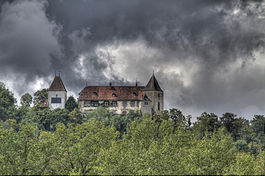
[[57, 94], [155, 94]]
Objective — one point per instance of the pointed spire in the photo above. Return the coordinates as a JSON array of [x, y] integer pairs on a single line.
[[153, 84], [57, 84]]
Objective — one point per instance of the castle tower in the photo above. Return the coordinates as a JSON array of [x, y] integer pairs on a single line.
[[57, 94], [155, 94]]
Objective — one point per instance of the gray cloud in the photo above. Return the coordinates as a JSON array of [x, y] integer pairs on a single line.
[[208, 55]]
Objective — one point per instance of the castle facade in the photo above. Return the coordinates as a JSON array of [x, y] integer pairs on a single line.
[[118, 99]]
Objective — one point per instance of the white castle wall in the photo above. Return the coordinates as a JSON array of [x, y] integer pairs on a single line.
[[57, 94], [119, 109]]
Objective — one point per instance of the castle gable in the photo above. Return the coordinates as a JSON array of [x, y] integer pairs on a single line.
[[153, 85], [57, 85]]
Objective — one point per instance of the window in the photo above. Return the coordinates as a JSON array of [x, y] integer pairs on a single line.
[[94, 103], [56, 100], [114, 95], [145, 103], [159, 95], [114, 103], [158, 106], [86, 103], [106, 104], [135, 94], [132, 103], [95, 93], [124, 103]]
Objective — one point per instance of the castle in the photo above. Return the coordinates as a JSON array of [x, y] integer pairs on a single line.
[[118, 99]]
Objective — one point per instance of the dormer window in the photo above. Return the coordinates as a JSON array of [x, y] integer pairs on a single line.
[[114, 95], [95, 93], [135, 94]]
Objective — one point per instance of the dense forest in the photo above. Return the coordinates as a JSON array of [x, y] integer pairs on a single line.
[[36, 140]]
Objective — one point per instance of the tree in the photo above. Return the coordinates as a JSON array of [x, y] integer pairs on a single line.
[[177, 117], [236, 126], [7, 98], [26, 100], [100, 114], [40, 97], [242, 165], [206, 122], [242, 146], [47, 119], [71, 104], [258, 124], [75, 117], [7, 103]]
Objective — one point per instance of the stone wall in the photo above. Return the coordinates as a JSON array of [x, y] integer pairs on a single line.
[[157, 99], [146, 107]]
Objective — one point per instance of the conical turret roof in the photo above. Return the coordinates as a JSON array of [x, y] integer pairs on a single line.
[[153, 84], [57, 84]]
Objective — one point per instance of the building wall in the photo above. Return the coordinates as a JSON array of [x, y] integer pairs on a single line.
[[157, 99], [146, 107], [122, 107], [57, 94]]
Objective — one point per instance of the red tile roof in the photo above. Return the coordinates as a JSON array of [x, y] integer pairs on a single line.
[[57, 84], [45, 104], [111, 93]]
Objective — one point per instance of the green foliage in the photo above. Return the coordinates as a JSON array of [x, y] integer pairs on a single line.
[[211, 154], [71, 104], [75, 116], [26, 100], [242, 165], [7, 103], [206, 123], [258, 124], [242, 145], [236, 126], [6, 97], [120, 122], [100, 114], [40, 97], [93, 147], [63, 141], [47, 119]]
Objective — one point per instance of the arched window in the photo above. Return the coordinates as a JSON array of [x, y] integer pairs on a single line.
[[95, 93], [114, 95]]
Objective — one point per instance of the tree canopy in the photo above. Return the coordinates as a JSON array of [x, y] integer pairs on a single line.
[[41, 141], [40, 97], [71, 104], [26, 100]]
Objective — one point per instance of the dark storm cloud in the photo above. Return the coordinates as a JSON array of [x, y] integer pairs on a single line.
[[202, 50]]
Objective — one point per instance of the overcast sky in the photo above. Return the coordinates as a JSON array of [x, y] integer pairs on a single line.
[[207, 55]]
